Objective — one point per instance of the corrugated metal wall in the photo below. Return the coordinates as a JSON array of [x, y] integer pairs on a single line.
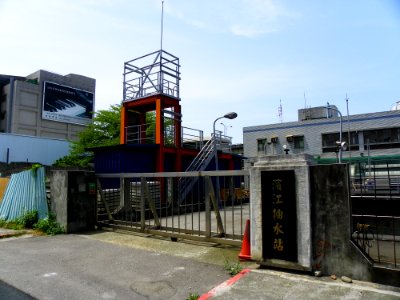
[[25, 192]]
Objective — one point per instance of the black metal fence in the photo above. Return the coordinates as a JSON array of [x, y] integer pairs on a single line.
[[375, 198], [379, 238]]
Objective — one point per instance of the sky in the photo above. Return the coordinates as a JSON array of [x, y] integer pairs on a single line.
[[245, 56]]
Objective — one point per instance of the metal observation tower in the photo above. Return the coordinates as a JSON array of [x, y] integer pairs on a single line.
[[152, 137], [151, 111], [159, 74]]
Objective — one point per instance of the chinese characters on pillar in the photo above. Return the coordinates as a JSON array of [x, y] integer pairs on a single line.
[[279, 215]]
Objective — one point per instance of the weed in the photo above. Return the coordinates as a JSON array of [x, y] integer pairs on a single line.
[[49, 225], [11, 225], [35, 167], [28, 219], [233, 268], [194, 296], [31, 220]]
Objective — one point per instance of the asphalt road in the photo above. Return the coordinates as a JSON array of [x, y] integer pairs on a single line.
[[83, 267]]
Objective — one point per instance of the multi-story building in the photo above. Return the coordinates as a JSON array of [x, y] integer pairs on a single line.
[[41, 113], [319, 131], [45, 104]]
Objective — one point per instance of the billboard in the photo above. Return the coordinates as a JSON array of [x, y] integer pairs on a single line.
[[66, 104]]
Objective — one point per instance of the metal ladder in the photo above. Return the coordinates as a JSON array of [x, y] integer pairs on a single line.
[[199, 163]]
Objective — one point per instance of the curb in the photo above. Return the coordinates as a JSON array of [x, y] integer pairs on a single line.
[[223, 286], [6, 235]]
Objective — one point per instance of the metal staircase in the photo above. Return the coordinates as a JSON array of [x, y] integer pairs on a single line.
[[199, 163]]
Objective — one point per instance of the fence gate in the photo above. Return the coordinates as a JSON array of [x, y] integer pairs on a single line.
[[177, 204]]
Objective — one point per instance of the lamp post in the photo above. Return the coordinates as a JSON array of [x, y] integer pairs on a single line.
[[341, 144], [225, 126], [231, 115]]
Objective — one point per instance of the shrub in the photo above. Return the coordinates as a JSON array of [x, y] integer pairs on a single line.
[[49, 225], [31, 220], [28, 219]]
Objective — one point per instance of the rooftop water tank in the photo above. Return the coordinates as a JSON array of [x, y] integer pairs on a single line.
[[396, 106]]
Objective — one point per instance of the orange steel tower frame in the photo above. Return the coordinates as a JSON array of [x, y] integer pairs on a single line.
[[153, 88]]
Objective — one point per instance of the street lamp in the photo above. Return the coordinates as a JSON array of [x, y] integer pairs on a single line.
[[340, 143], [231, 115], [225, 126]]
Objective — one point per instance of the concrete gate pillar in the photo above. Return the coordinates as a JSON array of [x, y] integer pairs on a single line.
[[280, 211], [73, 199]]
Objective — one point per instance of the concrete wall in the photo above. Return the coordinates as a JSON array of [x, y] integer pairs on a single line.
[[32, 149], [333, 252]]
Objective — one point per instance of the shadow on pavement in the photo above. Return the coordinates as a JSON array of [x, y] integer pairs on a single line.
[[9, 292]]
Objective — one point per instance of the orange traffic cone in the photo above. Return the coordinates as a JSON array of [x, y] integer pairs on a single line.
[[245, 252]]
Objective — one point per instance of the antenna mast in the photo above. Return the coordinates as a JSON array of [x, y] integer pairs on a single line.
[[280, 111], [162, 22]]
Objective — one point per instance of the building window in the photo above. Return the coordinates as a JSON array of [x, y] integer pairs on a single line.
[[329, 141], [261, 146], [382, 138], [298, 142]]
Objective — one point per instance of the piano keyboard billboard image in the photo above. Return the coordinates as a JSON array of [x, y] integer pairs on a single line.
[[65, 104]]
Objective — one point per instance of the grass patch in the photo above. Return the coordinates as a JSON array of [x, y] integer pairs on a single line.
[[10, 225]]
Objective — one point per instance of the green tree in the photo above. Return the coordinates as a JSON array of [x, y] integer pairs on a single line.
[[103, 131]]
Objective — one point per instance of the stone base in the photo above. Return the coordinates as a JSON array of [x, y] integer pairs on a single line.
[[283, 264]]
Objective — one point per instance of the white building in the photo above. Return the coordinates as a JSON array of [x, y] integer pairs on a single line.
[[317, 132]]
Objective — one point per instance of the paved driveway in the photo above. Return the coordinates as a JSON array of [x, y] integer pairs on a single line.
[[84, 267]]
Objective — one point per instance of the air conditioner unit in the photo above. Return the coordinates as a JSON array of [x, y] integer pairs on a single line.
[[274, 139], [289, 138]]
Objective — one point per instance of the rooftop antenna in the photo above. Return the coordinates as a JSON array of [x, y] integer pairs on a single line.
[[162, 22], [280, 111], [307, 112]]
